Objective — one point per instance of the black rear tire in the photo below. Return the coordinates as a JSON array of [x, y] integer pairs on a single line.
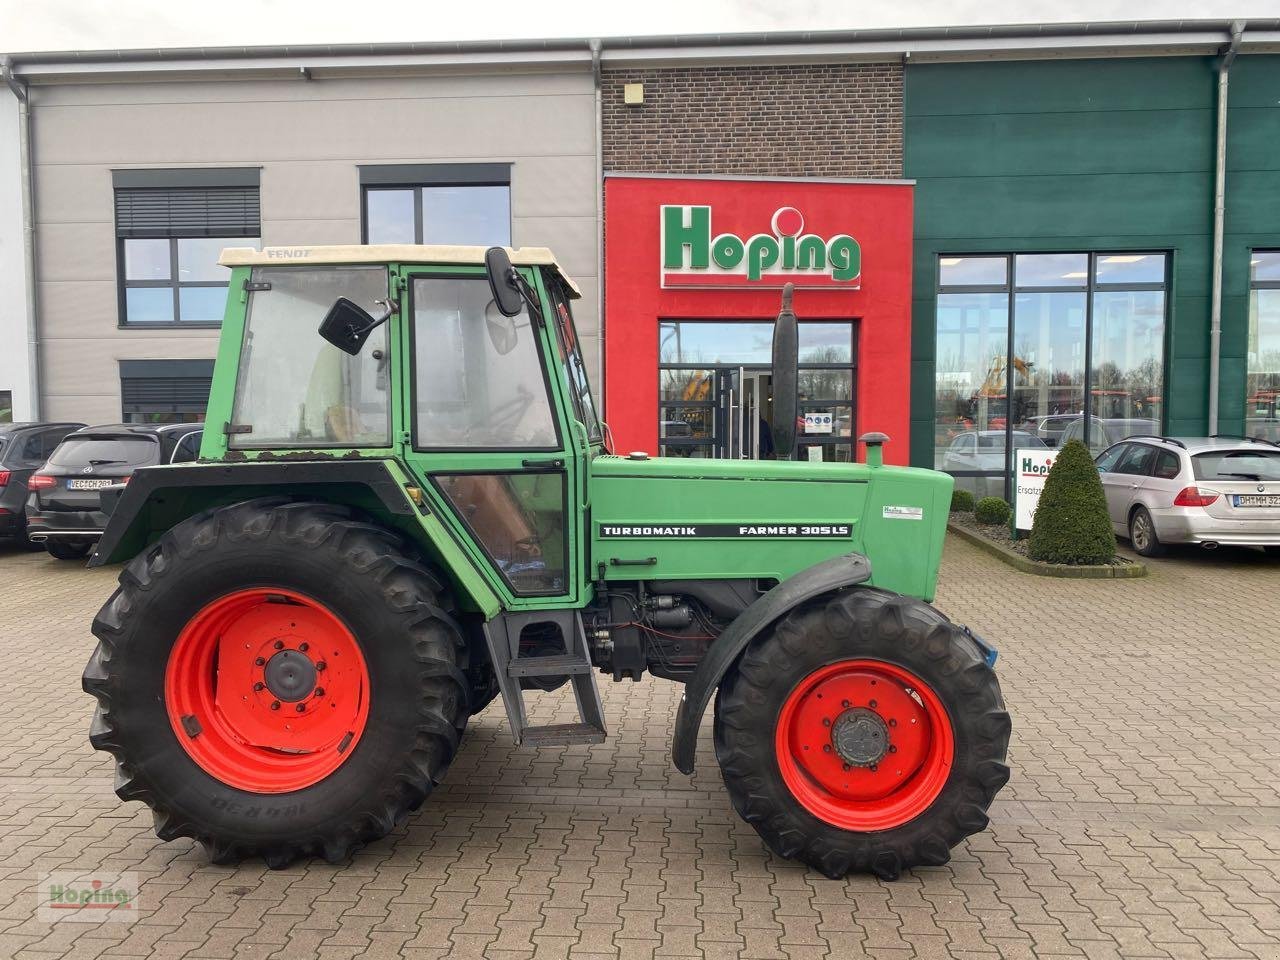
[[67, 549], [1142, 534], [862, 624], [395, 608]]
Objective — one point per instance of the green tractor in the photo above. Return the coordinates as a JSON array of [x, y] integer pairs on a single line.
[[404, 508]]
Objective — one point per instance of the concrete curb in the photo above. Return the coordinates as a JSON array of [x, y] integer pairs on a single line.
[[1119, 571]]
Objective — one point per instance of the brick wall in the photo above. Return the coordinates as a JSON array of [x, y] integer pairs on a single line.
[[810, 120]]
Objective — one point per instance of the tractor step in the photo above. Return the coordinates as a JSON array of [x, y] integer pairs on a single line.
[[557, 665], [502, 636], [556, 734]]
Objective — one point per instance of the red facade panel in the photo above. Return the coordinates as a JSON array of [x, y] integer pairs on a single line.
[[761, 233]]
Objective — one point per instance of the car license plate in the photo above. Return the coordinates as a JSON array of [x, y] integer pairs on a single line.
[[1256, 499], [87, 484]]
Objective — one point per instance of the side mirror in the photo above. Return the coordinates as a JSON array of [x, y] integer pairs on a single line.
[[503, 282], [347, 326], [786, 376]]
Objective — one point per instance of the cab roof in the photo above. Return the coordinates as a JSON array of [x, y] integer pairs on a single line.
[[390, 253]]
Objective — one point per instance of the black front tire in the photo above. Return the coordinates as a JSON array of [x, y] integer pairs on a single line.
[[396, 609], [864, 624], [67, 549]]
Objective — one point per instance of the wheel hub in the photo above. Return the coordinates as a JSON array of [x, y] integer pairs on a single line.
[[290, 676], [860, 737]]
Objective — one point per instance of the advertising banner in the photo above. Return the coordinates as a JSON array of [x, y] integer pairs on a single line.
[[1030, 467]]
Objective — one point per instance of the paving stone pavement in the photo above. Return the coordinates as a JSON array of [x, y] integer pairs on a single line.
[[1142, 818]]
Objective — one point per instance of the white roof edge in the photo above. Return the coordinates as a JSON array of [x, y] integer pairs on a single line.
[[1014, 41], [388, 253]]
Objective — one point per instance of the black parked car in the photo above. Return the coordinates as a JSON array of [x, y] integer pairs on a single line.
[[64, 510], [24, 447]]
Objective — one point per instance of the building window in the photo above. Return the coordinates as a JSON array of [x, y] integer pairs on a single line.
[[6, 406], [171, 226], [1262, 384], [165, 391], [715, 389], [1037, 349], [446, 203]]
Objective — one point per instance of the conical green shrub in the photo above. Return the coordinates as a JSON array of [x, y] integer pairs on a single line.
[[1071, 523]]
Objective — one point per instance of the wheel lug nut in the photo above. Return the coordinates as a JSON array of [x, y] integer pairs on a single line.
[[893, 749], [304, 647], [873, 704], [279, 644], [845, 704], [300, 708], [893, 723], [319, 691], [259, 662], [826, 748], [258, 686], [321, 665], [275, 704], [826, 721], [874, 767], [846, 766]]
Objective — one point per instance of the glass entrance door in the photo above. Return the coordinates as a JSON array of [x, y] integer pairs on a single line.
[[715, 389]]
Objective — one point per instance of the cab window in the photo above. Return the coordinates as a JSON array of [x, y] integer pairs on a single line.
[[570, 354], [478, 377], [297, 390]]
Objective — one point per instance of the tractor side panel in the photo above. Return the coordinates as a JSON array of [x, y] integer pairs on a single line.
[[669, 519], [678, 519]]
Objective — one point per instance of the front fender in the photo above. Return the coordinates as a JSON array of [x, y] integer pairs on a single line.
[[842, 571]]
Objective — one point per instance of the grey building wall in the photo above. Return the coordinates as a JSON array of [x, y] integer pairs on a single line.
[[309, 138], [15, 373]]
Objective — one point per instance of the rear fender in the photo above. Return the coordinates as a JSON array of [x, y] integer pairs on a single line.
[[158, 498], [842, 571]]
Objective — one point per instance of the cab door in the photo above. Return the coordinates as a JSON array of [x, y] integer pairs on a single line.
[[487, 436]]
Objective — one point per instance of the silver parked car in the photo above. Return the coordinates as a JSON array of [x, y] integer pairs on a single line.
[[983, 450], [1103, 431], [1210, 491]]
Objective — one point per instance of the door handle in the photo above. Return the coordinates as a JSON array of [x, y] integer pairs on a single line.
[[542, 465]]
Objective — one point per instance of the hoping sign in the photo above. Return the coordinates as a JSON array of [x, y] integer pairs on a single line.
[[1031, 466]]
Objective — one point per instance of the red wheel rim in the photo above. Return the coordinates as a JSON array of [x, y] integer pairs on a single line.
[[267, 690], [864, 744]]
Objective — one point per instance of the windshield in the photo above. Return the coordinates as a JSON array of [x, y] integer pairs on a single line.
[[81, 451], [1235, 465], [294, 388]]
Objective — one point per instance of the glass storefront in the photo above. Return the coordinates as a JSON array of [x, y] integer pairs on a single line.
[[1262, 379], [1037, 349], [715, 389]]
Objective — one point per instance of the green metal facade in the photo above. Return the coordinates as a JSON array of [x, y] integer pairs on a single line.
[[1097, 155]]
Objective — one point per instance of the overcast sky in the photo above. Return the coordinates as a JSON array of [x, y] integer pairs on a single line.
[[29, 25]]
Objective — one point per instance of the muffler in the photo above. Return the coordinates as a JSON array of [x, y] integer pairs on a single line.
[[37, 537], [1210, 545]]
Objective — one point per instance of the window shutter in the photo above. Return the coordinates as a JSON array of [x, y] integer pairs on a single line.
[[207, 212], [165, 391]]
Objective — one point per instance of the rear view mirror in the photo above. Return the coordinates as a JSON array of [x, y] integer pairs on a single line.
[[786, 400], [347, 326], [503, 282]]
